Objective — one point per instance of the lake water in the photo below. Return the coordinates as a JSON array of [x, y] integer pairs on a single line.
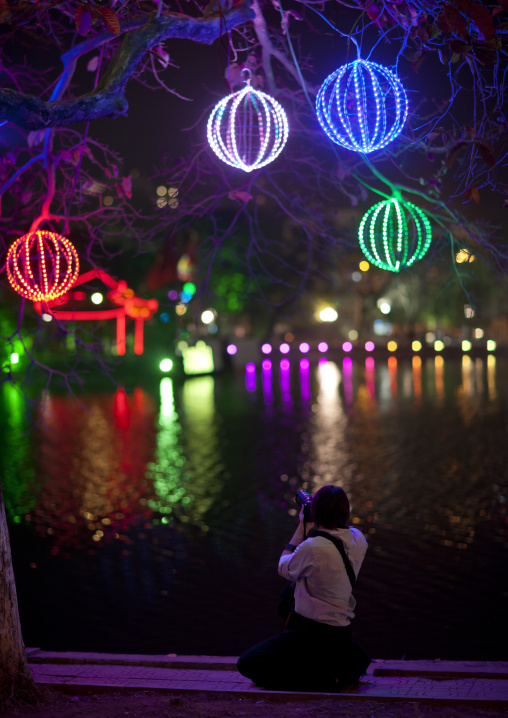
[[151, 520]]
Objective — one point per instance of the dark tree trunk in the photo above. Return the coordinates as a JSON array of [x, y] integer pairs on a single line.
[[16, 680]]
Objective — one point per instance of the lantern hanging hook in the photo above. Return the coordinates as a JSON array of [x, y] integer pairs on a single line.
[[248, 72]]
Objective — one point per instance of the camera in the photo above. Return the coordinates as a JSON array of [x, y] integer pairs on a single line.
[[304, 500]]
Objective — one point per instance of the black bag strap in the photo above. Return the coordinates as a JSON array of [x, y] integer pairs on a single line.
[[340, 546]]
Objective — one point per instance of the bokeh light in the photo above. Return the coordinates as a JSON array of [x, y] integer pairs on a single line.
[[369, 346], [207, 316], [284, 348], [96, 298], [347, 346], [328, 314], [231, 349], [266, 348], [304, 347], [166, 365], [322, 347]]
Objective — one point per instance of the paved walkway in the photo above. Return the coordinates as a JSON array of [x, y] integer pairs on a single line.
[[444, 682]]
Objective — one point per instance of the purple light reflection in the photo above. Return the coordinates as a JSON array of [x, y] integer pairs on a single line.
[[285, 380], [347, 380], [250, 377], [369, 376], [266, 380], [305, 380]]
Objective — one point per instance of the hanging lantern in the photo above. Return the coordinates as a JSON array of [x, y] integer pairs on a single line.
[[362, 106], [42, 265], [247, 129], [394, 234]]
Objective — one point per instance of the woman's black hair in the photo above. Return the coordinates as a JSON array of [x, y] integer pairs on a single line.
[[330, 508]]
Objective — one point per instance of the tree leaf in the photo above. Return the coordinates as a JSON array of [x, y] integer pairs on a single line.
[[5, 11], [486, 153], [239, 194], [83, 20], [452, 156], [451, 21], [110, 18], [481, 17]]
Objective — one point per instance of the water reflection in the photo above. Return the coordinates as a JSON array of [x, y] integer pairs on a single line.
[[330, 457], [305, 392], [166, 470], [153, 495], [266, 380], [285, 383]]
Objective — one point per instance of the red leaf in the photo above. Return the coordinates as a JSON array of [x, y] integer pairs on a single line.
[[110, 18], [481, 17], [83, 20], [452, 156], [5, 11], [452, 21], [486, 153], [239, 194]]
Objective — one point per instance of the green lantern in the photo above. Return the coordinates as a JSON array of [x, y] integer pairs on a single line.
[[394, 234]]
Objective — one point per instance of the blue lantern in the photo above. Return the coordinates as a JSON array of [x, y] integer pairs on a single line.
[[362, 106]]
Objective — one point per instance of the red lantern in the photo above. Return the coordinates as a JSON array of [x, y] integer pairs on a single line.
[[42, 265]]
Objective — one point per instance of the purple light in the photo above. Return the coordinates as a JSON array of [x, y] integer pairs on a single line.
[[369, 346], [250, 377], [347, 346], [322, 347], [231, 349], [304, 347], [284, 348], [305, 380], [266, 348], [173, 295], [347, 372], [285, 382], [267, 381], [369, 377]]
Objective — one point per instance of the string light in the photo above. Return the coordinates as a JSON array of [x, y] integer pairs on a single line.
[[386, 239], [42, 265], [247, 129], [362, 106]]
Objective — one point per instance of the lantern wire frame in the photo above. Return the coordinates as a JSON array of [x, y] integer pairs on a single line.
[[247, 129], [42, 265], [385, 238], [362, 106]]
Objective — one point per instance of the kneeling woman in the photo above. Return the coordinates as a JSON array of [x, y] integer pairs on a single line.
[[316, 652]]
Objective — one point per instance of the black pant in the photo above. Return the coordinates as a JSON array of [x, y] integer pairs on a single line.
[[308, 656]]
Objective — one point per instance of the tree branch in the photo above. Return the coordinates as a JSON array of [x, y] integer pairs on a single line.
[[108, 100]]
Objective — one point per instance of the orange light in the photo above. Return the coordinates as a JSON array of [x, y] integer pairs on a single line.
[[42, 265]]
